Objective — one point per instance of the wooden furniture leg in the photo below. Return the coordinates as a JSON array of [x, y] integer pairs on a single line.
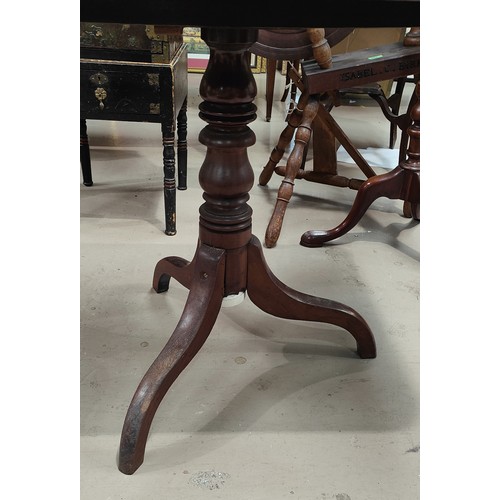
[[181, 269], [394, 103], [85, 154], [293, 87], [182, 147], [168, 138], [272, 296], [287, 82], [402, 183], [199, 315], [284, 140], [397, 121], [229, 259], [314, 113], [270, 79], [364, 66], [294, 162]]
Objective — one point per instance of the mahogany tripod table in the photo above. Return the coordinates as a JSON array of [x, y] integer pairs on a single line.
[[228, 259]]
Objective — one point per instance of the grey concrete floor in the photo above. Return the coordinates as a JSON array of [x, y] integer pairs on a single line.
[[268, 409]]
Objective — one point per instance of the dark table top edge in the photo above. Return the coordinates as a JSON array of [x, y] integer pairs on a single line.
[[255, 14]]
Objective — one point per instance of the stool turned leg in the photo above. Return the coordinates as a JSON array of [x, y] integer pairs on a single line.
[[323, 56], [402, 183], [168, 137], [182, 147], [284, 140], [302, 138], [85, 154]]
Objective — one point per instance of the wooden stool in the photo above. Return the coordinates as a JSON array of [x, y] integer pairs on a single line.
[[321, 81]]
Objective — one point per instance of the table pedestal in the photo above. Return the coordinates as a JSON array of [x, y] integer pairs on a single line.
[[229, 259]]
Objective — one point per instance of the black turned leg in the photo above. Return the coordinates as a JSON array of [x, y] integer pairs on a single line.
[[168, 133], [85, 154], [182, 146]]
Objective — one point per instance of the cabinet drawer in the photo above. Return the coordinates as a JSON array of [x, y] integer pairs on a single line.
[[132, 91]]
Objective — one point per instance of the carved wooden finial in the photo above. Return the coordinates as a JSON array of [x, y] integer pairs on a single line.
[[320, 46], [412, 38]]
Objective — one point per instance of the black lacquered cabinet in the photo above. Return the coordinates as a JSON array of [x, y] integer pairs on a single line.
[[137, 73]]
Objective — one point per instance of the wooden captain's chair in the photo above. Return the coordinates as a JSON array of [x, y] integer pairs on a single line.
[[321, 81]]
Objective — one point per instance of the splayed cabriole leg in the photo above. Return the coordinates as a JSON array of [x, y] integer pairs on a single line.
[[274, 297], [401, 183], [199, 315], [173, 267]]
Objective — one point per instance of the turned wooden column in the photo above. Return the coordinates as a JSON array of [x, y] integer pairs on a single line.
[[226, 176]]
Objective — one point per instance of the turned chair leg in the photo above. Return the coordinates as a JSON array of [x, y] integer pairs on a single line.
[[284, 140], [294, 163]]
